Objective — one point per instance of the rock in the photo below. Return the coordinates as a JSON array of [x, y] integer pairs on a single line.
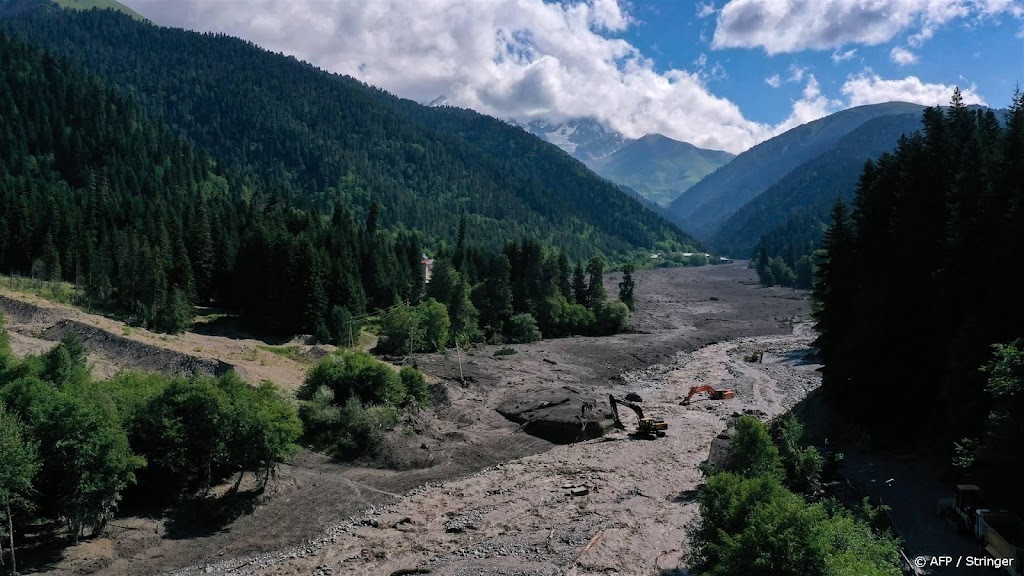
[[580, 491], [634, 397]]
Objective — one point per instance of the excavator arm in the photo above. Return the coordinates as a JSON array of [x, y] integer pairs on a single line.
[[711, 392], [615, 411], [647, 426]]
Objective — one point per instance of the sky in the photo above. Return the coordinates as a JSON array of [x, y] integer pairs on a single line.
[[720, 74]]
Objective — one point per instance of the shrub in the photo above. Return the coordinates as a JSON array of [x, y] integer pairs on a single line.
[[522, 328], [401, 331], [611, 317], [415, 384]]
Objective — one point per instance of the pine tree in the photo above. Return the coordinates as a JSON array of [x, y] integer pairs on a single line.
[[595, 288], [564, 274], [579, 284], [460, 246], [626, 286]]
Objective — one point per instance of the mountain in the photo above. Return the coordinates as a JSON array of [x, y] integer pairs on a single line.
[[709, 203], [585, 139], [13, 7], [330, 140], [658, 167], [812, 187], [100, 4]]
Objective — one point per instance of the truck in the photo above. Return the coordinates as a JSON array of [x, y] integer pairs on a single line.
[[999, 532]]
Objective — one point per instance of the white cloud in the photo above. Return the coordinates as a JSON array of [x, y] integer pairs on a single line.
[[902, 56], [705, 9], [811, 106], [774, 81], [780, 26], [840, 56], [525, 60], [521, 59], [869, 88], [796, 73]]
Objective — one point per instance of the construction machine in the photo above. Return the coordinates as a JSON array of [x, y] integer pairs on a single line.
[[712, 393], [644, 426], [961, 509]]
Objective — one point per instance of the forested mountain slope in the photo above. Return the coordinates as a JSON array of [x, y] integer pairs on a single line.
[[703, 208], [811, 188], [340, 142], [658, 167], [919, 296], [92, 191]]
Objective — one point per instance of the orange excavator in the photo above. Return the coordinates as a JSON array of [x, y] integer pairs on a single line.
[[712, 393]]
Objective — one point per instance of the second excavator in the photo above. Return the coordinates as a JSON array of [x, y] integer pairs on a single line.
[[711, 392], [644, 426]]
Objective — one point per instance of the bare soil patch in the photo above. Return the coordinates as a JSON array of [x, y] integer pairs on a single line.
[[462, 488]]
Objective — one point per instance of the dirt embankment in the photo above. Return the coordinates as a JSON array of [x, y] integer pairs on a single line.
[[35, 325], [692, 326]]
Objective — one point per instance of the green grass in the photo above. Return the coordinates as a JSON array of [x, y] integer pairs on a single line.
[[101, 4], [289, 352], [59, 292]]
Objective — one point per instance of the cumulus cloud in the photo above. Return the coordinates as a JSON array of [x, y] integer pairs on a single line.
[[811, 106], [705, 9], [842, 56], [868, 88], [517, 59], [902, 56], [774, 81], [781, 26], [526, 60]]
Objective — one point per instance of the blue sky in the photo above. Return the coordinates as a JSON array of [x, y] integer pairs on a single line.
[[986, 52], [724, 74]]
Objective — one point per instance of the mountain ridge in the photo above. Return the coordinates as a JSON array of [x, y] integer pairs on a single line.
[[814, 185], [658, 167], [338, 140], [714, 199]]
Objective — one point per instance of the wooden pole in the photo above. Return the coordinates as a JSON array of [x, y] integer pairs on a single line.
[[10, 529], [458, 349]]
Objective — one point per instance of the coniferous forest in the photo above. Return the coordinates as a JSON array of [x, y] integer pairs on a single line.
[[100, 193], [333, 141], [919, 295]]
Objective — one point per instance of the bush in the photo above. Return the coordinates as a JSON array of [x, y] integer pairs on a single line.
[[522, 328], [370, 390], [750, 524], [434, 317], [505, 352], [401, 331], [611, 317], [354, 373], [362, 429], [415, 384]]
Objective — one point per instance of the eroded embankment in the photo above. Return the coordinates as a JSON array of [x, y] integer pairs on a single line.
[[39, 325]]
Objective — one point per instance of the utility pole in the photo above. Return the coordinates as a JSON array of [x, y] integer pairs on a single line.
[[458, 350]]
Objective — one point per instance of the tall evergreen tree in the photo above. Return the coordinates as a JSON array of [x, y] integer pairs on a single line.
[[595, 287], [579, 284], [627, 287]]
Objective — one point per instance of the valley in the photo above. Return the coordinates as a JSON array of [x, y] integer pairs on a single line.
[[462, 459]]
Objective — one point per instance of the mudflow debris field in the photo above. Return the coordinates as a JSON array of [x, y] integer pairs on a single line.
[[516, 470]]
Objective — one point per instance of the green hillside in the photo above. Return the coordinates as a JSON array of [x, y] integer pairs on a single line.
[[811, 189], [334, 141], [100, 4], [710, 202], [659, 168]]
